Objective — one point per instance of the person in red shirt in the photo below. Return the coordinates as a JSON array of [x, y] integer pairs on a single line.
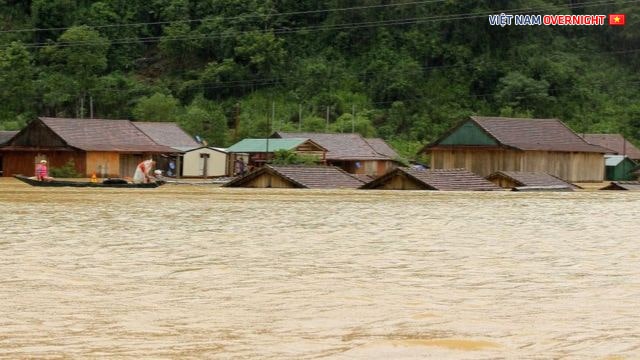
[[42, 172]]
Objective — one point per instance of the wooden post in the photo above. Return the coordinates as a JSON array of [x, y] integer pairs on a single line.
[[178, 161], [205, 159]]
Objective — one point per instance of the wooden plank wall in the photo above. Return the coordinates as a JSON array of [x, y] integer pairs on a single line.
[[573, 167], [24, 162], [401, 182], [262, 181], [103, 163]]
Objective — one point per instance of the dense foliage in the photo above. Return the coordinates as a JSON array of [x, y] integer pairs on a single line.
[[403, 70]]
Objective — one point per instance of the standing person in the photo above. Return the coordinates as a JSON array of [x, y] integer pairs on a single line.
[[42, 171], [142, 172], [239, 167]]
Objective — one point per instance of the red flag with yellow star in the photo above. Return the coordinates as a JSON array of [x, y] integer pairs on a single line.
[[616, 19]]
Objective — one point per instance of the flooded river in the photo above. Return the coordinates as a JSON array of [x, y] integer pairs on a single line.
[[203, 272]]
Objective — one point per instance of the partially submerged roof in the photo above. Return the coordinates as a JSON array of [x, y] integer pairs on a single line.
[[531, 179], [615, 142], [437, 179], [268, 145], [304, 176], [167, 134], [623, 185], [6, 135], [341, 146], [516, 133]]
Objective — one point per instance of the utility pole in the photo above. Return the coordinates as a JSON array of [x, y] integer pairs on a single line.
[[299, 117], [353, 119], [327, 126], [91, 106]]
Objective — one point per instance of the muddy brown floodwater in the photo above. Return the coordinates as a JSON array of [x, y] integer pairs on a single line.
[[205, 272]]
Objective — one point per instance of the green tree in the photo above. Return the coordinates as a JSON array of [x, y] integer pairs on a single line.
[[157, 107], [206, 120], [17, 72], [81, 55]]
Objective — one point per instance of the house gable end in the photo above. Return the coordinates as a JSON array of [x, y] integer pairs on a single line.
[[468, 134], [37, 134]]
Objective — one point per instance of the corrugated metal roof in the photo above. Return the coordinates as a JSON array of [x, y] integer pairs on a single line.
[[103, 135], [613, 160], [616, 142], [167, 134], [261, 145], [438, 179], [340, 146], [529, 179], [304, 176]]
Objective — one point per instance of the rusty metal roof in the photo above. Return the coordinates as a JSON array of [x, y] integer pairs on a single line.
[[103, 135], [616, 142], [522, 178], [304, 176], [438, 179], [167, 134], [340, 146]]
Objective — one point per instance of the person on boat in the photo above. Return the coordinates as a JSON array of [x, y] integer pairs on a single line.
[[143, 170], [42, 171]]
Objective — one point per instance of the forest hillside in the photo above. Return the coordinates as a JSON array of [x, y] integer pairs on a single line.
[[399, 69]]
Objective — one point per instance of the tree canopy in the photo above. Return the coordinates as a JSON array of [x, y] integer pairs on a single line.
[[405, 71]]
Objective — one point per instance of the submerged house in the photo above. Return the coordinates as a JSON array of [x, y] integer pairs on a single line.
[[108, 148], [540, 181], [297, 176], [352, 152], [204, 161], [258, 151], [623, 185], [485, 145], [616, 143], [403, 178], [619, 167]]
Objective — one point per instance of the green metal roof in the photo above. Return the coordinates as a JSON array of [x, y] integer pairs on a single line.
[[260, 145]]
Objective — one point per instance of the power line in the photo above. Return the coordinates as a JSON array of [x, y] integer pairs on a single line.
[[283, 31], [245, 16], [363, 75]]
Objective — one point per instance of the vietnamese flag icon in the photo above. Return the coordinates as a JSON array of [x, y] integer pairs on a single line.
[[616, 19]]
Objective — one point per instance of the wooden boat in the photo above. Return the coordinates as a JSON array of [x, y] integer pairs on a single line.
[[112, 183]]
